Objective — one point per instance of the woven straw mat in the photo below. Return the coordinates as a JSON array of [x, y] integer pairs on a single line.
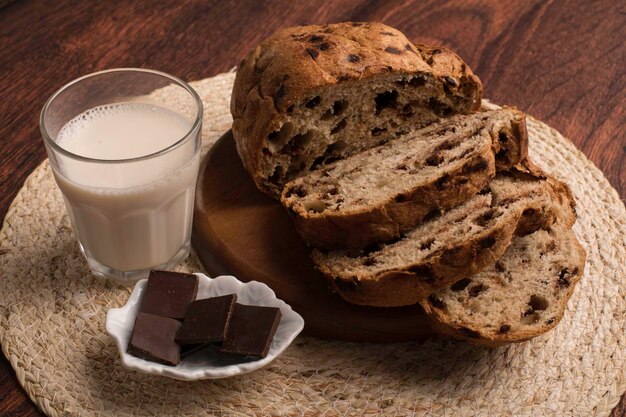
[[52, 314]]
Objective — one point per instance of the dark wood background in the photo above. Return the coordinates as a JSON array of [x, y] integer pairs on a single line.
[[562, 62]]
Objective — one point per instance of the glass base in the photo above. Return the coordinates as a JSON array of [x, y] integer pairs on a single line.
[[131, 277]]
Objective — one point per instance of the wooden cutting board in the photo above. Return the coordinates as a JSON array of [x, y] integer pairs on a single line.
[[239, 231]]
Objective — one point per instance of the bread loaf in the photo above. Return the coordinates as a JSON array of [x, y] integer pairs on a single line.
[[313, 94], [522, 295], [378, 194], [450, 246]]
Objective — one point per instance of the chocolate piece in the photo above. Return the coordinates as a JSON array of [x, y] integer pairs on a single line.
[[153, 339], [206, 321], [168, 294], [188, 350], [251, 330]]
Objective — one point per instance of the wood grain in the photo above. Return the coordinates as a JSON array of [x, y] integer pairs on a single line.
[[562, 62]]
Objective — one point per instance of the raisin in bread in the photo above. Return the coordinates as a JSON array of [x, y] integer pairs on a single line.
[[450, 246], [521, 296], [316, 93], [378, 194]]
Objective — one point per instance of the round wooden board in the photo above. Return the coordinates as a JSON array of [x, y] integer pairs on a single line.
[[240, 231]]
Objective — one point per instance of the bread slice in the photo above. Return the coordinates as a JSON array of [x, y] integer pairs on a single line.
[[450, 246], [521, 296], [316, 93], [378, 194]]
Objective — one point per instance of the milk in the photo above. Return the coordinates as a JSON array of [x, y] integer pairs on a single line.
[[130, 215]]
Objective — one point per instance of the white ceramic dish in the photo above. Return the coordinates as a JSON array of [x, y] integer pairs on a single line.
[[206, 364]]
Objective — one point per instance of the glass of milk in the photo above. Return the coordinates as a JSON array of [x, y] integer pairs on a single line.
[[124, 148]]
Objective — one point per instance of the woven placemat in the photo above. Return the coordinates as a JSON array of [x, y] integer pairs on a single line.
[[52, 316]]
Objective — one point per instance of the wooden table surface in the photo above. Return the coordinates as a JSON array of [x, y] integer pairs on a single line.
[[562, 62]]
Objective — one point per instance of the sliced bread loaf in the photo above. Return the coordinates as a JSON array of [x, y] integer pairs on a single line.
[[449, 246], [316, 93], [522, 295], [378, 194]]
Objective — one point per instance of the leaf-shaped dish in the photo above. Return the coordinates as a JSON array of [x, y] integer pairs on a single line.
[[207, 363]]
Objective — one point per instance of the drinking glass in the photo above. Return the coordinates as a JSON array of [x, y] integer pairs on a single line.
[[124, 147]]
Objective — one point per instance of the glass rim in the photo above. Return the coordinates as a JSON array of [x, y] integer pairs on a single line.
[[57, 148]]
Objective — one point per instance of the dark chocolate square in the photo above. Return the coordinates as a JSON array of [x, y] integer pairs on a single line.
[[153, 339], [206, 320], [251, 330], [188, 350], [168, 294]]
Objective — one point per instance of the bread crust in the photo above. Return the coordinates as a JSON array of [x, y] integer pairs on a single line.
[[292, 63]]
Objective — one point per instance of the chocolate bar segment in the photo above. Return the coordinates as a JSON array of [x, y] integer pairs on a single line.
[[153, 339], [206, 321], [188, 350], [168, 294], [251, 330]]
